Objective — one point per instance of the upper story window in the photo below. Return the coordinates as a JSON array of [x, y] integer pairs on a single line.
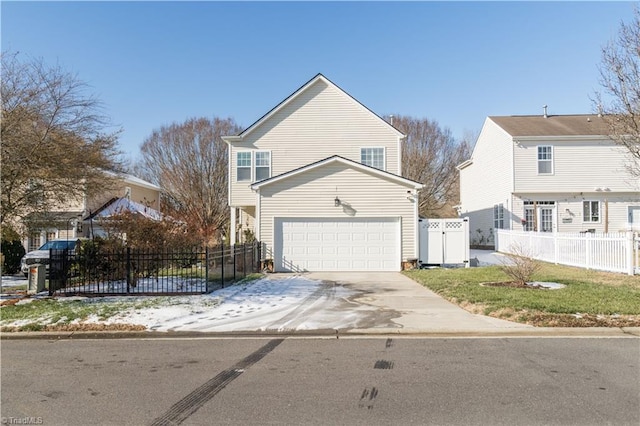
[[253, 166], [263, 165], [243, 166], [591, 211], [373, 157], [545, 160]]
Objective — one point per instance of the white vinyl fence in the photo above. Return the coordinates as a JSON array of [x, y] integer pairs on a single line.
[[444, 241], [615, 252]]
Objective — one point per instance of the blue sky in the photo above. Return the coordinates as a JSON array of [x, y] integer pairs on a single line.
[[154, 63]]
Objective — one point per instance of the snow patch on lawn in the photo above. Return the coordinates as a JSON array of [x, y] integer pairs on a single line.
[[282, 303]]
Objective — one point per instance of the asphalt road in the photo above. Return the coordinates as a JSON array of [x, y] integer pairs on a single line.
[[346, 381]]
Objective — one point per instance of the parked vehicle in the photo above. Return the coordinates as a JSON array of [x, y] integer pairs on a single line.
[[41, 256]]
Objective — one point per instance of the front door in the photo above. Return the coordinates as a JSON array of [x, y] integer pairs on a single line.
[[547, 219]]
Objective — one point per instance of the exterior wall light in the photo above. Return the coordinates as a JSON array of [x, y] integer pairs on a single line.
[[337, 202]]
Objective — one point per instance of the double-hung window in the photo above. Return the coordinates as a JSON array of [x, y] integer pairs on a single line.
[[253, 166], [545, 160], [263, 165], [373, 157], [591, 211], [243, 166], [498, 216]]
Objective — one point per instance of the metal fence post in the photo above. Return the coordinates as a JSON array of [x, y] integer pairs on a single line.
[[128, 267], [258, 259], [244, 259], [222, 265], [232, 248], [206, 268]]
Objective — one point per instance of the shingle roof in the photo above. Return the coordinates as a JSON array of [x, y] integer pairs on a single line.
[[552, 125]]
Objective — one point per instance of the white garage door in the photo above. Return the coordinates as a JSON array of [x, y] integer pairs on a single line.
[[351, 244]]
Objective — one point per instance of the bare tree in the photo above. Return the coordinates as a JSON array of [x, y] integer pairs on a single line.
[[189, 161], [54, 141], [619, 103], [429, 156], [520, 264]]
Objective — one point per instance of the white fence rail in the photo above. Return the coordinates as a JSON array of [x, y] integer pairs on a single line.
[[615, 252]]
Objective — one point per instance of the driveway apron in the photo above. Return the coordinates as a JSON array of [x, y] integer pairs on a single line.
[[400, 305]]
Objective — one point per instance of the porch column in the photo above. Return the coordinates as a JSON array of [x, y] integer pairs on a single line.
[[232, 227]]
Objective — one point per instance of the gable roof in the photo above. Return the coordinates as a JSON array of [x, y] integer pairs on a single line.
[[131, 179], [293, 96], [337, 159], [552, 125]]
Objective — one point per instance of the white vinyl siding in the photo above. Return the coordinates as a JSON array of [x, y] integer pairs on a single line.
[[320, 122], [569, 210], [373, 157], [545, 160], [579, 166], [362, 195], [487, 181]]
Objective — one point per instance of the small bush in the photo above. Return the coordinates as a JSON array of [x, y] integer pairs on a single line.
[[12, 251], [520, 266]]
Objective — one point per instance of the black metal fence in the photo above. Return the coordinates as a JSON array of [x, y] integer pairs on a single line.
[[141, 272]]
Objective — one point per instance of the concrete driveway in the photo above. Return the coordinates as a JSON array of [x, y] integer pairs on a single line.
[[397, 304]]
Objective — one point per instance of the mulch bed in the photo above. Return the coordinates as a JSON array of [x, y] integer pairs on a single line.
[[512, 284], [581, 320]]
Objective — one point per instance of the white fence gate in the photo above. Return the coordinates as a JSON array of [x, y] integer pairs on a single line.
[[444, 241], [614, 252]]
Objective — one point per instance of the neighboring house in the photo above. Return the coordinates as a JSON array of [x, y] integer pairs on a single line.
[[115, 207], [72, 219], [318, 181], [547, 173]]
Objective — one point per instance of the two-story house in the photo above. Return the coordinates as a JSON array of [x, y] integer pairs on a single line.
[[73, 219], [547, 173], [318, 181]]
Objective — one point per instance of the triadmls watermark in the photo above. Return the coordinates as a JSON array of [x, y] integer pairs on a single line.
[[22, 421]]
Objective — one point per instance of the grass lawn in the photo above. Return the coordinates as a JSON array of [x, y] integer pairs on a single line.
[[63, 314], [590, 298]]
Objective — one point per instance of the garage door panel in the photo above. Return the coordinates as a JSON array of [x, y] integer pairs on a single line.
[[358, 236], [344, 251], [359, 251], [297, 251], [314, 236], [350, 244]]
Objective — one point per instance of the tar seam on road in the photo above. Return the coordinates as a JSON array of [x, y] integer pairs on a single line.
[[188, 405]]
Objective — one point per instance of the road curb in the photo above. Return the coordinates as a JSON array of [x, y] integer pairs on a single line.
[[543, 332]]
